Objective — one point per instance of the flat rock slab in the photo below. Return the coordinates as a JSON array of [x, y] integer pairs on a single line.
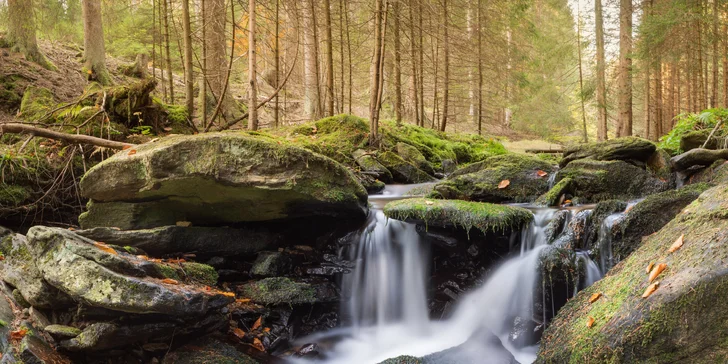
[[216, 179], [624, 149]]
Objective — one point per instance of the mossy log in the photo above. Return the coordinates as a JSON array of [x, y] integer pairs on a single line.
[[697, 157]]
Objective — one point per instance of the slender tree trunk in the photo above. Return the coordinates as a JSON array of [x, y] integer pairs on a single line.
[[397, 64], [421, 49], [154, 39], [348, 53], [342, 98], [170, 77], [480, 67], [648, 114], [716, 39], [189, 75], [276, 108], [310, 69], [215, 62], [657, 129], [329, 60], [701, 79], [446, 51], [471, 75], [601, 71], [21, 32], [205, 13], [374, 84], [160, 38], [94, 48], [625, 68], [725, 63], [581, 74], [413, 58], [252, 74]]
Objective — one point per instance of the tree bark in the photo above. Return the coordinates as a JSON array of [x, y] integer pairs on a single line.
[[601, 71], [397, 64], [310, 68], [170, 77], [189, 76], [276, 109], [413, 59], [15, 128], [21, 32], [374, 84], [93, 40], [215, 63], [625, 68], [252, 76], [716, 39], [480, 67], [329, 60], [581, 74], [446, 71]]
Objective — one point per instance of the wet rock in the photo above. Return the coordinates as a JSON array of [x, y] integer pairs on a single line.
[[595, 181], [557, 224], [459, 214], [272, 291], [557, 194], [716, 174], [449, 166], [413, 156], [622, 149], [601, 212], [19, 269], [114, 281], [482, 344], [308, 351], [209, 349], [33, 350], [479, 181], [403, 171], [659, 165], [62, 331], [271, 264], [685, 319], [403, 359], [215, 179], [371, 166]]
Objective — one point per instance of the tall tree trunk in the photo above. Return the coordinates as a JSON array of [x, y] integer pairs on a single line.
[[625, 68], [413, 58], [421, 48], [725, 63], [21, 32], [342, 98], [170, 77], [581, 74], [446, 81], [480, 67], [276, 108], [204, 70], [348, 53], [716, 39], [374, 84], [189, 75], [701, 79], [252, 74], [93, 40], [601, 71], [329, 60], [647, 111], [471, 23], [310, 68], [397, 64], [215, 63], [657, 129]]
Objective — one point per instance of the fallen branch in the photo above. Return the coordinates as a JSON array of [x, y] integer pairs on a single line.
[[717, 126], [15, 128], [280, 87]]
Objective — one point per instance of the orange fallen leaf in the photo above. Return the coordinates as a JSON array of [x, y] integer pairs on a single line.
[[677, 244], [18, 334], [649, 268], [242, 300], [650, 289], [227, 294], [71, 229], [590, 323], [567, 202], [239, 333], [257, 323], [504, 183], [2, 258], [105, 248], [267, 329], [541, 173], [595, 297], [176, 261], [258, 345], [143, 257], [132, 152], [126, 147], [656, 271], [169, 281]]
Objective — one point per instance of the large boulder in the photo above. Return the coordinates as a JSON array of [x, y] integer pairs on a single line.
[[697, 158], [528, 177], [625, 149], [403, 171], [414, 157], [590, 181], [370, 165], [684, 320], [465, 215], [696, 139], [217, 179]]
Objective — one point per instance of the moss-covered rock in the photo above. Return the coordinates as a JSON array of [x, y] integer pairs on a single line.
[[624, 149], [557, 194], [62, 331], [480, 181], [200, 273], [370, 165], [659, 165], [13, 195], [684, 320], [466, 215], [272, 291], [404, 359], [221, 178], [594, 181], [271, 264], [414, 157], [37, 101], [403, 171], [210, 350], [716, 174], [695, 139], [650, 215]]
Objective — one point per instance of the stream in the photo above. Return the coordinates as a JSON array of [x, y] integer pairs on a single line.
[[387, 316]]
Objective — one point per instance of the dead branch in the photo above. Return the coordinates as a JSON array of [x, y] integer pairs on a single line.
[[15, 128]]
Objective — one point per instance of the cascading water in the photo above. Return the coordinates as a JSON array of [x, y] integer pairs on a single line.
[[387, 306]]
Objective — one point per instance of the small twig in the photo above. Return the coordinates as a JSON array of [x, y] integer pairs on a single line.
[[717, 125], [25, 143]]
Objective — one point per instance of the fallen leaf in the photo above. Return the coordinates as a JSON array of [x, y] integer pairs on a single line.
[[243, 300], [18, 334], [176, 261], [2, 258], [677, 244], [650, 289], [257, 323], [504, 183], [167, 129], [590, 323], [126, 147], [429, 202], [71, 229], [227, 294], [184, 223], [267, 329], [239, 333], [595, 297], [649, 268], [132, 152], [143, 257], [567, 202], [105, 248], [541, 173], [258, 345], [656, 271], [169, 281]]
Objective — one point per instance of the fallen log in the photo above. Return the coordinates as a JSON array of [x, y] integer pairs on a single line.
[[17, 128], [697, 157]]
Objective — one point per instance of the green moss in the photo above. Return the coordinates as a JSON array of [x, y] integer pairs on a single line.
[[555, 194], [13, 195], [689, 123], [37, 101], [200, 273], [627, 148], [404, 359], [272, 291], [403, 171], [594, 181], [166, 271], [453, 213]]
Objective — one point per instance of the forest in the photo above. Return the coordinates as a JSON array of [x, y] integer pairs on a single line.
[[363, 181]]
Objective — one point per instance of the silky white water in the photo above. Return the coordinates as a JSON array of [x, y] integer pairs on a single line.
[[387, 306]]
